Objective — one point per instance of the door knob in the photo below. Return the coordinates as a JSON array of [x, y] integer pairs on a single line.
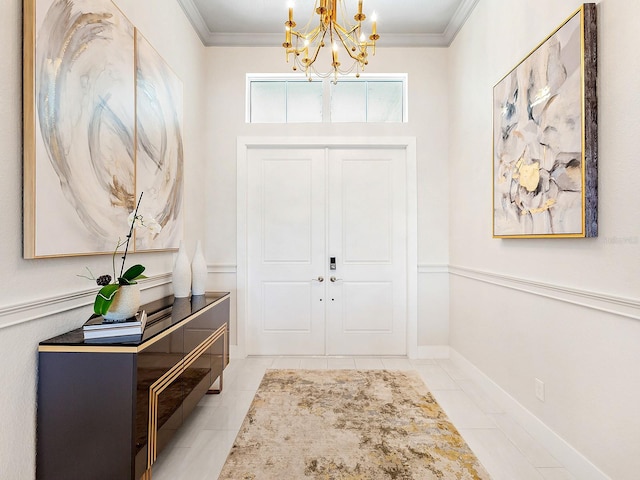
[[320, 279], [334, 279]]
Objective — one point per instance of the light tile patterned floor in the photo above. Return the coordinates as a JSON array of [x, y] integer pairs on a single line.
[[506, 450]]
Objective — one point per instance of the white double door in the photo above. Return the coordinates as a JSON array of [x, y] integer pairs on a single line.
[[309, 208]]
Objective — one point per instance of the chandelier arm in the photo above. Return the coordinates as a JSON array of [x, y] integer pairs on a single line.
[[357, 58], [350, 29], [345, 31], [312, 35], [301, 63], [351, 45], [317, 49]]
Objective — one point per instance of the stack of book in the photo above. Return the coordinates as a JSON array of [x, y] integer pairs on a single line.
[[98, 327]]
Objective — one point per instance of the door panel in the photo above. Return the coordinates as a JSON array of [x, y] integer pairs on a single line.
[[285, 251], [287, 307], [367, 235], [287, 210], [366, 210], [360, 314]]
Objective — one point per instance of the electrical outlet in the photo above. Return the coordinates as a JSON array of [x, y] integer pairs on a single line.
[[539, 389]]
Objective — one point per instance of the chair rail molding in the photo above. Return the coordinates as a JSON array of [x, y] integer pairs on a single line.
[[222, 268], [433, 268], [625, 307], [16, 314]]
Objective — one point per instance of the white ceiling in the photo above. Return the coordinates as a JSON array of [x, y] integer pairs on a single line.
[[261, 22]]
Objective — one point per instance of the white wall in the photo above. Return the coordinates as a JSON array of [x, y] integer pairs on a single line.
[[27, 311], [428, 122], [511, 314], [587, 357]]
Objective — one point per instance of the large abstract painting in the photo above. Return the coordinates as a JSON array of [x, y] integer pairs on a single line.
[[80, 154], [159, 159], [545, 137]]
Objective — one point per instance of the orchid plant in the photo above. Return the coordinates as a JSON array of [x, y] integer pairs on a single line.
[[107, 293]]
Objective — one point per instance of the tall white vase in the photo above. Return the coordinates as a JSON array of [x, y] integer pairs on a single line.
[[198, 271], [181, 274]]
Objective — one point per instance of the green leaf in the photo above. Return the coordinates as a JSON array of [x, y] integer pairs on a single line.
[[132, 274], [124, 281], [104, 299]]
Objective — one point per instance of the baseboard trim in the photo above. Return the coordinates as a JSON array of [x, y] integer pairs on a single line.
[[28, 311], [576, 463], [236, 352], [624, 307], [433, 351]]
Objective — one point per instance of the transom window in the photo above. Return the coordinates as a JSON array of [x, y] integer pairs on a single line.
[[295, 99]]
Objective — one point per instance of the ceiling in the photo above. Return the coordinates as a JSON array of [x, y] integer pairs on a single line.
[[261, 22]]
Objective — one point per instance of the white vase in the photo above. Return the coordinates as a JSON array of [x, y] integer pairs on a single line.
[[125, 303], [181, 274], [198, 271]]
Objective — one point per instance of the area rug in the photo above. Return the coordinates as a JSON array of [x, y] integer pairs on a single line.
[[348, 424]]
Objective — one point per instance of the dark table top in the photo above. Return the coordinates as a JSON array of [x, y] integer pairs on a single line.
[[162, 314]]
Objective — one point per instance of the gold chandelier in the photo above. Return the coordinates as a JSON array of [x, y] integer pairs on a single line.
[[306, 45]]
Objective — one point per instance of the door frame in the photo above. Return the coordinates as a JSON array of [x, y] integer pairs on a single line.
[[406, 143]]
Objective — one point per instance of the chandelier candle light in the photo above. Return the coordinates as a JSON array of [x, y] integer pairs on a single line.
[[305, 45]]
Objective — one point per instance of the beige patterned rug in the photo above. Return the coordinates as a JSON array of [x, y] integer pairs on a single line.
[[348, 424]]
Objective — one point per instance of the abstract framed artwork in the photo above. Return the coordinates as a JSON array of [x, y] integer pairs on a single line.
[[80, 133], [159, 153], [545, 137]]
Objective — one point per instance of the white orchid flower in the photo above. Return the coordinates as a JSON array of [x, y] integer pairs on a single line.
[[145, 220], [153, 226]]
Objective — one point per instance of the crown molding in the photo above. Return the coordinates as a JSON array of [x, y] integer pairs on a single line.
[[216, 39], [195, 17], [458, 20]]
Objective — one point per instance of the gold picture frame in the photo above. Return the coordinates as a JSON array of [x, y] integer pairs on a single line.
[[545, 137], [82, 134]]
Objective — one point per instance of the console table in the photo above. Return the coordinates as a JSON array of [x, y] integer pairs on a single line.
[[107, 406]]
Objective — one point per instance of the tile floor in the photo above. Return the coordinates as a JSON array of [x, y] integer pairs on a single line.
[[506, 450]]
